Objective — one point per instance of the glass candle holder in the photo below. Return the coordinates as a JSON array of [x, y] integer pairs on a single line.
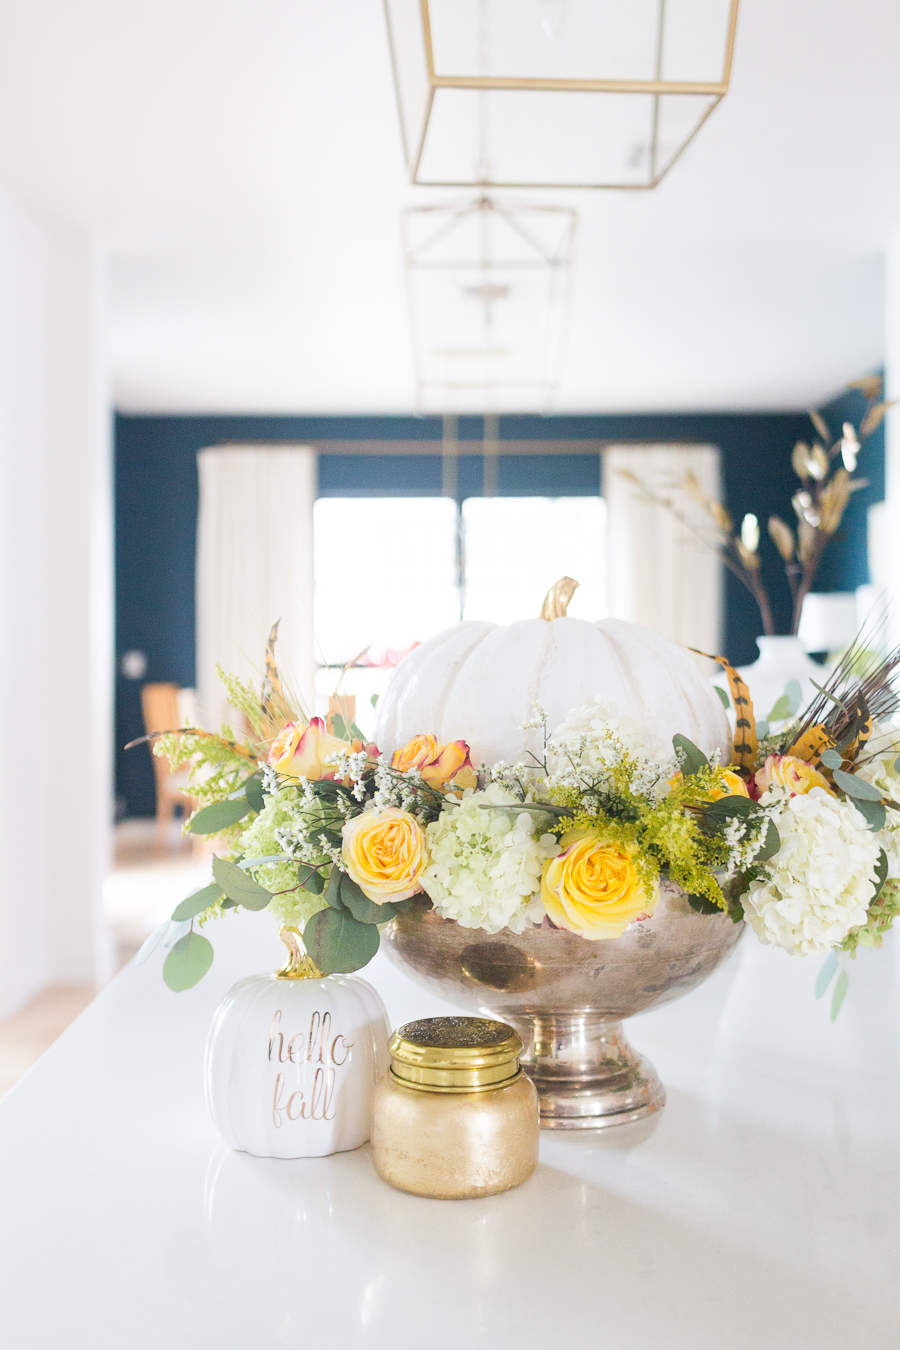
[[454, 1116]]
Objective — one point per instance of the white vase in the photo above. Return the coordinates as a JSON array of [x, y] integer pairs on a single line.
[[781, 659], [292, 1061]]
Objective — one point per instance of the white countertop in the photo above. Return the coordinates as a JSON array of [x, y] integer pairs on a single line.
[[760, 1211]]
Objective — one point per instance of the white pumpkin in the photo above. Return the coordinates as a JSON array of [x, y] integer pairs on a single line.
[[479, 682], [292, 1063]]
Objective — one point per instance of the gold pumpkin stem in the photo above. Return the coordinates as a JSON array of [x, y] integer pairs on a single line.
[[557, 599], [300, 964]]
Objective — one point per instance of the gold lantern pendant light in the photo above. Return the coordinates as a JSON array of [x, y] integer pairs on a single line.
[[555, 93], [489, 298]]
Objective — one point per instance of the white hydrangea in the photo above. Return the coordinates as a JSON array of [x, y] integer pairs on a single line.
[[485, 869], [822, 879], [595, 737], [884, 747]]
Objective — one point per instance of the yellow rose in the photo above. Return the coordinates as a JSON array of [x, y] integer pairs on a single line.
[[303, 752], [593, 888], [439, 765], [384, 853], [788, 771]]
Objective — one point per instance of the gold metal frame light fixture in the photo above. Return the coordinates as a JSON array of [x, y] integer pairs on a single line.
[[488, 286], [555, 93]]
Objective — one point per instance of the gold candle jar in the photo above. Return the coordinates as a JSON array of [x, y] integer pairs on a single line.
[[455, 1116]]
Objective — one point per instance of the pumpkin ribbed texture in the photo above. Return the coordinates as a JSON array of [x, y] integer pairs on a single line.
[[479, 682]]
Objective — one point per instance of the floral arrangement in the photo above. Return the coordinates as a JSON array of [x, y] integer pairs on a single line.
[[824, 467], [798, 836]]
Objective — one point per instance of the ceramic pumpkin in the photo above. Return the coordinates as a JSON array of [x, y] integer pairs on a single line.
[[479, 682], [292, 1060]]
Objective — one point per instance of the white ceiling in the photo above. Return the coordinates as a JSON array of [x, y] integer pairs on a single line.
[[241, 161]]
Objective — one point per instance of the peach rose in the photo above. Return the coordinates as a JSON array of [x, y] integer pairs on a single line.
[[415, 754], [303, 752], [788, 771], [384, 853], [438, 764], [593, 888]]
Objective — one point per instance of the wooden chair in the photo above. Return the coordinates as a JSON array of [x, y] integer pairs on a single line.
[[160, 705]]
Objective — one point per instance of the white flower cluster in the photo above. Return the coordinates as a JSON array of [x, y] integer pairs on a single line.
[[351, 765], [595, 738], [396, 789], [822, 879], [514, 778], [881, 772], [744, 841], [486, 865]]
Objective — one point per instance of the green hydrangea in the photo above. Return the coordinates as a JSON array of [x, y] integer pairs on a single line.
[[286, 807]]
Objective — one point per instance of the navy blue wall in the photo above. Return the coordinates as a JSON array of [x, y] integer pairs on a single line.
[[845, 565], [156, 512]]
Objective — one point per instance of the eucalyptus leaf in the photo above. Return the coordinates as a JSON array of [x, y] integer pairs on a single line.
[[723, 696], [333, 889], [794, 694], [310, 879], [240, 888], [219, 816], [690, 758], [874, 813], [187, 962], [897, 764], [771, 844], [339, 728], [254, 794], [152, 942], [361, 907], [856, 787], [827, 973], [197, 902], [762, 729], [832, 759], [840, 993], [881, 871], [374, 700], [545, 807], [176, 930], [780, 709], [719, 812], [337, 943], [356, 733], [733, 805]]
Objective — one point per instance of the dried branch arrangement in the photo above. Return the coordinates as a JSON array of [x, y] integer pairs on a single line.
[[825, 468]]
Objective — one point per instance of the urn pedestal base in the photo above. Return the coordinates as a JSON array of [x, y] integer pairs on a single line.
[[567, 997], [587, 1074]]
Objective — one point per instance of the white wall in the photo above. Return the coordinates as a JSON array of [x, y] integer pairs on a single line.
[[56, 618]]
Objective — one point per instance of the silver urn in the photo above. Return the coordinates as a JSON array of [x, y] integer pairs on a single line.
[[567, 996]]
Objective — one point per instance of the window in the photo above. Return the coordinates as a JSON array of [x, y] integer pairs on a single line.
[[516, 547], [408, 567]]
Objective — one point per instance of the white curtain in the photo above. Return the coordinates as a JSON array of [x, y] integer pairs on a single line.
[[254, 565], [660, 574]]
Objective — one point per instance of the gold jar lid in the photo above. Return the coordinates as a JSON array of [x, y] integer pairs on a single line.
[[455, 1054]]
